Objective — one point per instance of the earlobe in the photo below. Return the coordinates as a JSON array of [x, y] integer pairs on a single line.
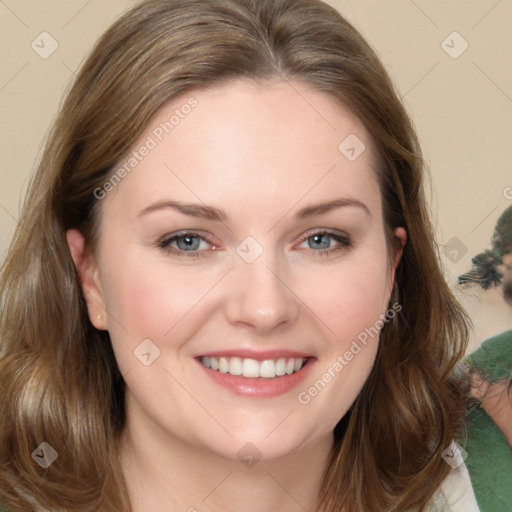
[[88, 275]]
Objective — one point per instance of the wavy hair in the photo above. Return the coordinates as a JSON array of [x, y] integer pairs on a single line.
[[60, 382]]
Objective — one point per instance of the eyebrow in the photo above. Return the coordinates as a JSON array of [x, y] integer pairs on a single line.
[[215, 214]]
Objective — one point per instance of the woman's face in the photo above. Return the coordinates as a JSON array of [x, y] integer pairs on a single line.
[[273, 258]]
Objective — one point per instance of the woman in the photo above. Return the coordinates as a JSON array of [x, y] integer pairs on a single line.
[[224, 293], [489, 425]]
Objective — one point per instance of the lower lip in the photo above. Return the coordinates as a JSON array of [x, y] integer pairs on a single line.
[[259, 387]]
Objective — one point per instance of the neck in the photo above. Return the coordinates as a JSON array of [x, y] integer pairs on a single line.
[[165, 473]]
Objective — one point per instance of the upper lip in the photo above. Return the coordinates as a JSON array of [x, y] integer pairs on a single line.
[[258, 355]]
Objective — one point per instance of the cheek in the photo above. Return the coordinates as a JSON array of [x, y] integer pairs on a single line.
[[151, 298], [353, 307], [349, 298], [160, 303]]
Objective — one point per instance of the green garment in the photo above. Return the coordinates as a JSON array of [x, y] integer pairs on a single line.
[[493, 358], [489, 459]]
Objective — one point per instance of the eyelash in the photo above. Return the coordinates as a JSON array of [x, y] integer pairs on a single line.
[[343, 241]]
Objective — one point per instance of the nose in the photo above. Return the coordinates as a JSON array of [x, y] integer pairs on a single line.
[[260, 298]]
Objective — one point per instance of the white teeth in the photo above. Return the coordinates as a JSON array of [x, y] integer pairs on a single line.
[[235, 366], [251, 368], [267, 369], [223, 365], [281, 366]]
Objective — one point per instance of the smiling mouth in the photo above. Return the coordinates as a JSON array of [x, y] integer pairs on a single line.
[[251, 368]]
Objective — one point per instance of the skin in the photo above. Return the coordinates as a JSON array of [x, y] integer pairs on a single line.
[[260, 153], [496, 401]]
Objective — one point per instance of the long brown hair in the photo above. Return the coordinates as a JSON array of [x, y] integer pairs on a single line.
[[60, 383]]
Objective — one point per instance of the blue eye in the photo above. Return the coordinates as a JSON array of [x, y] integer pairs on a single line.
[[187, 245], [322, 240]]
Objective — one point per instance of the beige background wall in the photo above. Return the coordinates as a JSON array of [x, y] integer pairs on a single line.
[[460, 99]]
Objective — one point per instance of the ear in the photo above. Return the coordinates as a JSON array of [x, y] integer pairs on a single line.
[[88, 274], [401, 240], [398, 249]]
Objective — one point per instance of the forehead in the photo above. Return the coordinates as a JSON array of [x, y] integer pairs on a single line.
[[242, 142]]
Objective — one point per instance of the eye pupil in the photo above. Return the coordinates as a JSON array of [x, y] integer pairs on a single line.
[[318, 238], [189, 242]]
